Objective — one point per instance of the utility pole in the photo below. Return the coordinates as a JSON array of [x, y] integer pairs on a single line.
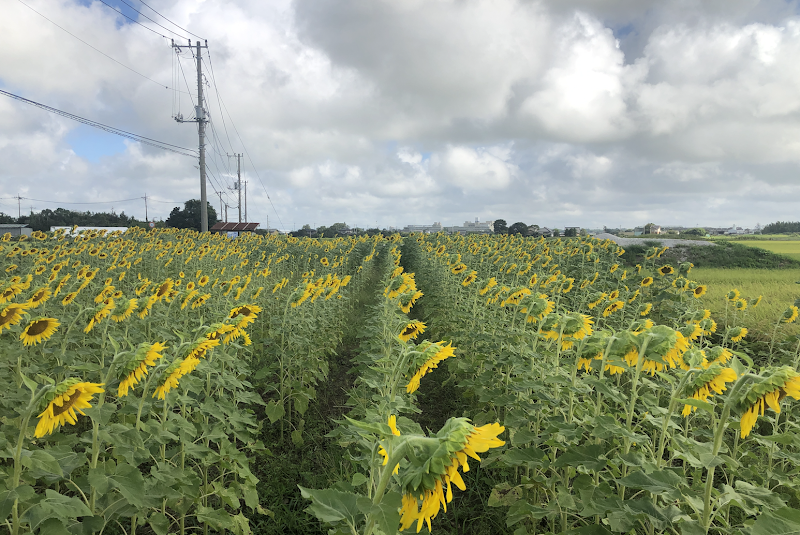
[[238, 185], [145, 207], [19, 206], [220, 205], [245, 202], [200, 119]]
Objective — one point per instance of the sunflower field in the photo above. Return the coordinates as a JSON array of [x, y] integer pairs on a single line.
[[146, 375]]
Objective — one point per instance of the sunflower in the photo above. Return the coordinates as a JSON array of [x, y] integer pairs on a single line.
[[39, 297], [201, 347], [191, 295], [711, 379], [11, 291], [69, 397], [165, 288], [469, 279], [757, 301], [613, 307], [39, 270], [708, 325], [434, 354], [790, 315], [200, 301], [768, 392], [412, 330], [736, 334], [647, 281], [633, 296], [248, 311], [38, 330], [491, 284], [666, 269], [11, 268], [426, 493], [136, 368], [666, 349], [648, 307], [458, 269], [11, 315], [101, 312], [129, 308], [392, 422], [699, 291], [733, 295], [69, 298], [412, 298], [613, 295], [595, 299], [176, 370]]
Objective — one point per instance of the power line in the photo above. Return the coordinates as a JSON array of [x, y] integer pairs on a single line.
[[145, 16], [93, 48], [222, 115], [165, 18], [135, 137], [240, 140]]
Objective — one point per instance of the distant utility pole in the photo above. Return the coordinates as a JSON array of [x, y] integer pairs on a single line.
[[245, 202], [19, 206], [200, 119], [238, 180], [145, 207], [220, 204]]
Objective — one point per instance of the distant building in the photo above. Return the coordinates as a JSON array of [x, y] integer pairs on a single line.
[[734, 230], [545, 232], [233, 230], [15, 229], [476, 227], [424, 229]]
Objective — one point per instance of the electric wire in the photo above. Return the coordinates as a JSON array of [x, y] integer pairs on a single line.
[[242, 142], [174, 24], [93, 48], [222, 115], [124, 133], [145, 16]]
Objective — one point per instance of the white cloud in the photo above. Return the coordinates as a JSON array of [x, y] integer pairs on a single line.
[[484, 168], [563, 111]]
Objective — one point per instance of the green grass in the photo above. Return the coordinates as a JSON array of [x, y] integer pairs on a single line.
[[789, 248], [778, 287], [726, 254]]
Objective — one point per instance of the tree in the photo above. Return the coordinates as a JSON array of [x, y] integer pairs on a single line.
[[518, 228], [570, 232], [648, 228], [305, 232], [556, 233], [500, 226], [189, 217], [695, 232]]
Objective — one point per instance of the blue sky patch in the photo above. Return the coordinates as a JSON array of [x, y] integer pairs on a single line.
[[93, 144]]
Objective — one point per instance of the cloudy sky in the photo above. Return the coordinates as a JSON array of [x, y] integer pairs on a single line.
[[391, 112]]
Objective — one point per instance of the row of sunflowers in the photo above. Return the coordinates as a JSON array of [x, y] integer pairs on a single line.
[[628, 407], [134, 366]]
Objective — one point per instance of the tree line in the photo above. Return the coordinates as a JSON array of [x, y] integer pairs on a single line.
[[781, 227], [186, 217]]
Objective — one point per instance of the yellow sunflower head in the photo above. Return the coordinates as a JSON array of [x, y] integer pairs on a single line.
[[38, 330]]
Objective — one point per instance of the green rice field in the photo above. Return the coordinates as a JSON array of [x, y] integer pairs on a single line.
[[790, 248], [779, 288]]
